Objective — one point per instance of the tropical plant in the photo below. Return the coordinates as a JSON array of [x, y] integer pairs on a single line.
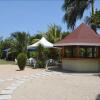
[[64, 34], [94, 20], [4, 45], [21, 60], [38, 35], [40, 56], [74, 10], [97, 18], [35, 38], [1, 48], [54, 33], [20, 42], [7, 43]]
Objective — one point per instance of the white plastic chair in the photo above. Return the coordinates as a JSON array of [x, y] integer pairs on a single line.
[[50, 62], [32, 61]]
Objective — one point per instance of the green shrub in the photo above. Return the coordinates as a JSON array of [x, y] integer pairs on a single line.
[[21, 60], [33, 54], [40, 64], [41, 56]]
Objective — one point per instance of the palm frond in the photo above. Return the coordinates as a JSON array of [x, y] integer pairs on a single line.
[[74, 10]]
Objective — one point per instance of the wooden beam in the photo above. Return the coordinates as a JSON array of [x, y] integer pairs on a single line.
[[92, 51], [77, 51], [97, 52], [86, 49], [62, 52]]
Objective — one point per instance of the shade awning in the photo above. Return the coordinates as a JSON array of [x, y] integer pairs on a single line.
[[43, 42]]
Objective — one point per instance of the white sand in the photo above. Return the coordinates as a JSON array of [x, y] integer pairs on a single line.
[[57, 87], [11, 71], [63, 86]]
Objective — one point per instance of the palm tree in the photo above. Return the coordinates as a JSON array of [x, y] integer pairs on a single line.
[[1, 48], [20, 42], [64, 34], [94, 20], [5, 46], [54, 33], [74, 10], [35, 38]]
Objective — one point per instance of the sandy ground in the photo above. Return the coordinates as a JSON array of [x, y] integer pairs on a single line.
[[57, 87], [3, 85], [9, 74], [63, 86], [12, 71]]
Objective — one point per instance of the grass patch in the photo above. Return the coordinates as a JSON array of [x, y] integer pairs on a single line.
[[6, 62]]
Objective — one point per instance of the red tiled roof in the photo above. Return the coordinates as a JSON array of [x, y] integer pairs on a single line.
[[83, 35]]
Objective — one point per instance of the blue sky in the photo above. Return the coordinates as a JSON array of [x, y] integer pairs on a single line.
[[32, 15]]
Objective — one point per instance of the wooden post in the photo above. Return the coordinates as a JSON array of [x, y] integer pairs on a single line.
[[86, 52], [93, 51], [97, 52], [62, 52], [77, 51]]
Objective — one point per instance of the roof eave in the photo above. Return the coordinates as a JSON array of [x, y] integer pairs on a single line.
[[77, 44]]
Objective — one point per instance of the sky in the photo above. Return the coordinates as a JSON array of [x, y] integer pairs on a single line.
[[33, 16]]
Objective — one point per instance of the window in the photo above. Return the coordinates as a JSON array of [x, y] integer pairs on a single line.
[[69, 52], [84, 52], [87, 52]]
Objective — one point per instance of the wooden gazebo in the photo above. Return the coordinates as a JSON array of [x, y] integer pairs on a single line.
[[81, 50]]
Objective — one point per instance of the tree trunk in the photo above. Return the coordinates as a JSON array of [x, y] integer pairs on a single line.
[[92, 4]]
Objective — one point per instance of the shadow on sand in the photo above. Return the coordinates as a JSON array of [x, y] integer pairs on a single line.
[[59, 69], [98, 97], [18, 70]]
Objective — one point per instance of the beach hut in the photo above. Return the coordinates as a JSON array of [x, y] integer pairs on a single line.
[[81, 50]]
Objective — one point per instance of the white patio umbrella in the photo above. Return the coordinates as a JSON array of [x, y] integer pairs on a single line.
[[43, 42]]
